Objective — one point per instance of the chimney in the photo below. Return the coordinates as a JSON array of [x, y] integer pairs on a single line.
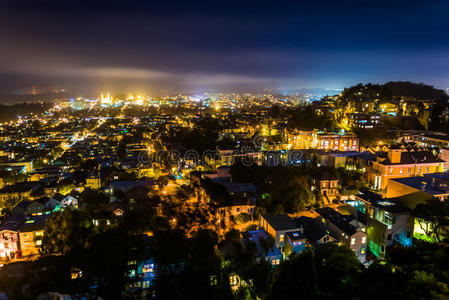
[[394, 155]]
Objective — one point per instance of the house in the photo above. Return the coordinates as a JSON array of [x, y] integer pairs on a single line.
[[54, 203], [93, 182], [31, 234], [315, 233], [335, 159], [223, 173], [273, 255], [296, 242], [435, 141], [411, 191], [326, 184], [242, 199], [277, 226], [70, 200], [9, 237], [329, 141], [398, 162], [227, 212], [365, 120], [17, 192], [388, 222], [349, 233], [28, 207]]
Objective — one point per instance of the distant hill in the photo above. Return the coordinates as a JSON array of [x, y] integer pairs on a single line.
[[416, 90], [9, 112], [22, 98], [393, 90]]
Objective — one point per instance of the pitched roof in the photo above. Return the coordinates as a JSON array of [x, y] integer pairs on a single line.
[[311, 229], [23, 204], [411, 157], [280, 222], [34, 223], [339, 220], [13, 222]]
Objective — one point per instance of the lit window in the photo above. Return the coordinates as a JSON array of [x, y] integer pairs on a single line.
[[400, 170], [353, 241], [281, 238], [38, 242], [364, 240]]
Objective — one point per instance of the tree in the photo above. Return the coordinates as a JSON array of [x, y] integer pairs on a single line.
[[298, 271], [242, 218], [65, 230], [267, 243], [338, 268], [433, 216]]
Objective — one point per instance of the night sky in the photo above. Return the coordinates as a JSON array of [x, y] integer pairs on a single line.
[[153, 46]]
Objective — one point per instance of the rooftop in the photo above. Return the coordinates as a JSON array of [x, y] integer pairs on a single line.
[[280, 222], [411, 156], [426, 184], [339, 220], [390, 205]]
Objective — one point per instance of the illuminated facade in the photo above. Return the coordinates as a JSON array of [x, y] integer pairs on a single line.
[[31, 234], [401, 162], [299, 139], [106, 99], [387, 222]]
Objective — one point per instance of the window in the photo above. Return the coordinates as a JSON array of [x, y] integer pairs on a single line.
[[400, 170], [38, 242], [353, 241], [391, 170], [427, 169], [389, 237], [364, 240], [281, 238], [145, 284], [419, 169], [409, 170], [213, 280]]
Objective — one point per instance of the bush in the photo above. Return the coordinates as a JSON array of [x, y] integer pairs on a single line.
[[242, 218]]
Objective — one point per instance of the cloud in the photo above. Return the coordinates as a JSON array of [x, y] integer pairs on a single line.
[[118, 73]]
